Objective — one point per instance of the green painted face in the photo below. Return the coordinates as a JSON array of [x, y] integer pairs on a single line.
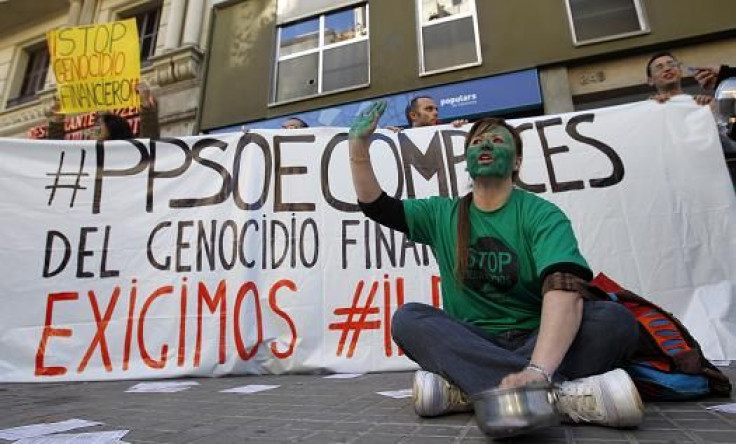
[[491, 154]]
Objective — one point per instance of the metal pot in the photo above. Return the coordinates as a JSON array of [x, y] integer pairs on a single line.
[[501, 413]]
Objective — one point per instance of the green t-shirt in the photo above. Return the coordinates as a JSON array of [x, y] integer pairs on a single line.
[[509, 250]]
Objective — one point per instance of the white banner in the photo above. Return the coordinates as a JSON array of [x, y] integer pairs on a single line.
[[234, 254]]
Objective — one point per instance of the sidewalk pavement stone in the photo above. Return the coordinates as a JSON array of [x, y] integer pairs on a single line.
[[311, 409]]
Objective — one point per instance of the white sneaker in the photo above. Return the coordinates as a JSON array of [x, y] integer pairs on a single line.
[[610, 399], [434, 396]]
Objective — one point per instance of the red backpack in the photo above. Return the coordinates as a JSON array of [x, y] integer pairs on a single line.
[[668, 364]]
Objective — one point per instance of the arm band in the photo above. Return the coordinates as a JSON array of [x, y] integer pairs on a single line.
[[563, 281], [387, 211]]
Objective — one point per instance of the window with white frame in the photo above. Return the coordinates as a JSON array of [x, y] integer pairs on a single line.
[[34, 74], [594, 21], [321, 54], [448, 35]]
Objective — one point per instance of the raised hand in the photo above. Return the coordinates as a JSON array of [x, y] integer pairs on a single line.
[[148, 100], [707, 76], [365, 124]]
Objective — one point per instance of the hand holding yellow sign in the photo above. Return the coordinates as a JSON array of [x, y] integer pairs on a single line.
[[97, 67]]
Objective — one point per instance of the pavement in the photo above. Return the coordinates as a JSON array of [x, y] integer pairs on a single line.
[[312, 409]]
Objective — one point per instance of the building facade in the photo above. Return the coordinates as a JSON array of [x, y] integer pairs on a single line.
[[322, 60], [172, 40]]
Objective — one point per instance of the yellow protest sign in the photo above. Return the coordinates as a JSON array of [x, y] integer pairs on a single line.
[[97, 67]]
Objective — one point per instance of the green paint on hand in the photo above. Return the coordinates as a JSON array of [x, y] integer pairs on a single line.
[[365, 123]]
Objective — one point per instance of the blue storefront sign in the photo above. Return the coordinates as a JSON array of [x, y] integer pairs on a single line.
[[505, 93]]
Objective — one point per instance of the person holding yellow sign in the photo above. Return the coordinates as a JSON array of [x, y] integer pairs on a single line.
[[97, 68], [111, 126]]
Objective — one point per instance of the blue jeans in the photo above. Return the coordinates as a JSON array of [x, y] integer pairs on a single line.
[[475, 361]]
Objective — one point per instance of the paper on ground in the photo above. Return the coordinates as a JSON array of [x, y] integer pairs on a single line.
[[34, 430], [253, 388], [720, 363], [397, 394], [344, 376], [162, 387], [110, 437], [724, 408]]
